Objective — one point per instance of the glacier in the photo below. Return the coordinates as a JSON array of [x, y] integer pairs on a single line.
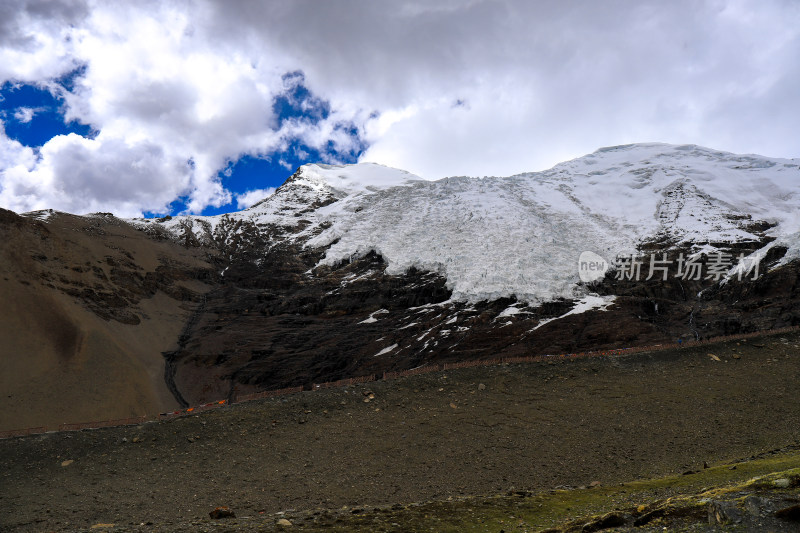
[[521, 236]]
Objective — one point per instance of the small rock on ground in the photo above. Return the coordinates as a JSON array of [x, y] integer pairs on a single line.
[[222, 512]]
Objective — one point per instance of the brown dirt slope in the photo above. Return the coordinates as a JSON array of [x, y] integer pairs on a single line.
[[88, 305], [467, 432]]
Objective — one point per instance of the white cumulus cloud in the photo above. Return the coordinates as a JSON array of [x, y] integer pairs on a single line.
[[245, 200], [178, 90], [24, 114]]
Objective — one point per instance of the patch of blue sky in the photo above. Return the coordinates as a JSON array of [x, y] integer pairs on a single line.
[[33, 114], [263, 171]]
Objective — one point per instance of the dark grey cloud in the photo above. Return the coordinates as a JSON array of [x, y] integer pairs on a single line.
[[20, 15]]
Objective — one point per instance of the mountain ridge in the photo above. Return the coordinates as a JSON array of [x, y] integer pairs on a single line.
[[387, 272], [609, 202]]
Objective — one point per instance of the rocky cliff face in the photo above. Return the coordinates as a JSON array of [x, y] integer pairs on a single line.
[[357, 270]]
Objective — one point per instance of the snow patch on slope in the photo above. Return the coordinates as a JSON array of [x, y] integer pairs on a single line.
[[588, 303], [386, 350], [371, 319], [42, 215], [509, 311]]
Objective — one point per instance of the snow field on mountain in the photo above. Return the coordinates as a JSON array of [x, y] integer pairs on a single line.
[[522, 235], [489, 238]]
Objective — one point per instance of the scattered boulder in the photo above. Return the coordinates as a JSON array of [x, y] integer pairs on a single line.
[[222, 512], [721, 513], [283, 522], [754, 505]]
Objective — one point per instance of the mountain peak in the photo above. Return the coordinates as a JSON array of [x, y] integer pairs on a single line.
[[360, 177]]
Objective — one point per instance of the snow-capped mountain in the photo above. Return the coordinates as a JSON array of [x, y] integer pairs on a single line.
[[360, 269], [521, 236]]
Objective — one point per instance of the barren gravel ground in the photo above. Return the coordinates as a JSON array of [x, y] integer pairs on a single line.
[[468, 432]]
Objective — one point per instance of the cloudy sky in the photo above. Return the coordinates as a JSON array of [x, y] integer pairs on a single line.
[[205, 106]]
